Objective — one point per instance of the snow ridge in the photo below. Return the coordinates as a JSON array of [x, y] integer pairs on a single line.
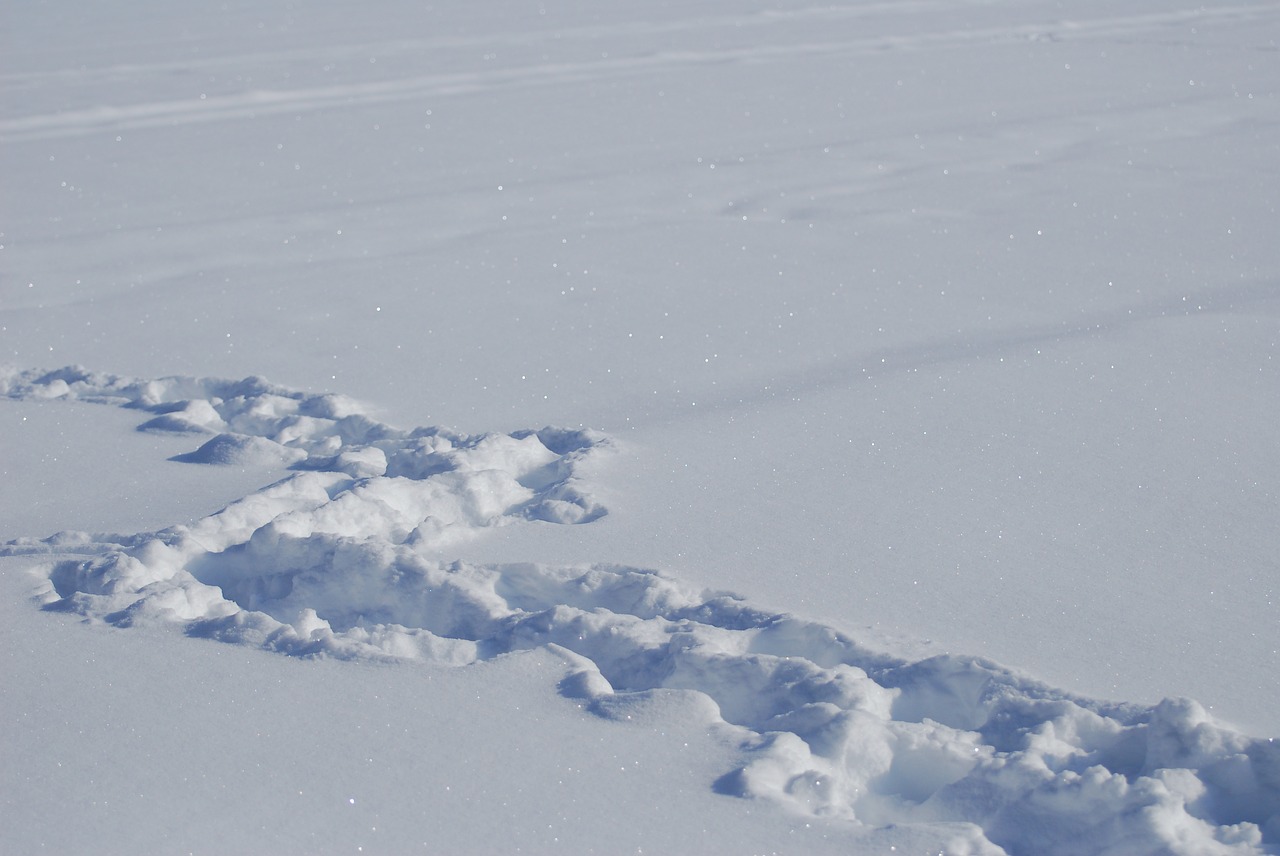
[[340, 559]]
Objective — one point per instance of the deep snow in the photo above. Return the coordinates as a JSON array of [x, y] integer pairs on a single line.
[[947, 328]]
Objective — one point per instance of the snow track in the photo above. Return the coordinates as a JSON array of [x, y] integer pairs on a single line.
[[343, 559], [759, 47]]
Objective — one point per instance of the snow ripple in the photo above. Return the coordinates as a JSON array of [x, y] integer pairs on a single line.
[[338, 560]]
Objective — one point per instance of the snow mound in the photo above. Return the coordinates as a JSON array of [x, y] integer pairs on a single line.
[[341, 559], [242, 450]]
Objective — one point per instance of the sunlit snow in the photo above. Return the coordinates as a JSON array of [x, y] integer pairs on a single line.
[[729, 427]]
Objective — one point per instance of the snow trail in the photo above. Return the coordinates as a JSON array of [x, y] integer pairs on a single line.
[[761, 48], [342, 559]]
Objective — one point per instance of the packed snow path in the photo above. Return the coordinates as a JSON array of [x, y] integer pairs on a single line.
[[342, 559]]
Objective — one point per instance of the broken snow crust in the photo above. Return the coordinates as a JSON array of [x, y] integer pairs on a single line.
[[341, 560]]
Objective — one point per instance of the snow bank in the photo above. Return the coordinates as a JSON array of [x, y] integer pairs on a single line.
[[343, 559]]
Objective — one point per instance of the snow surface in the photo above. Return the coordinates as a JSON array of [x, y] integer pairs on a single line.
[[892, 342]]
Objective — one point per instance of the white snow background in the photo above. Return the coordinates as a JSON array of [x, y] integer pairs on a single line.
[[613, 427]]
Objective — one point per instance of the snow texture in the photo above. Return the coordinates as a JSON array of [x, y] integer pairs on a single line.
[[341, 559]]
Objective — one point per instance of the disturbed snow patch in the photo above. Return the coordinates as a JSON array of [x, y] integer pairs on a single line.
[[341, 559]]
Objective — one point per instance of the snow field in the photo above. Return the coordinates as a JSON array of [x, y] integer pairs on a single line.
[[341, 560], [936, 328]]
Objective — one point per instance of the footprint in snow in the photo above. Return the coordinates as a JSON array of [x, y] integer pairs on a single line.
[[339, 559]]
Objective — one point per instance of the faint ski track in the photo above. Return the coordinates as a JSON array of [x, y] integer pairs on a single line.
[[489, 41], [253, 103], [970, 346], [343, 559]]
